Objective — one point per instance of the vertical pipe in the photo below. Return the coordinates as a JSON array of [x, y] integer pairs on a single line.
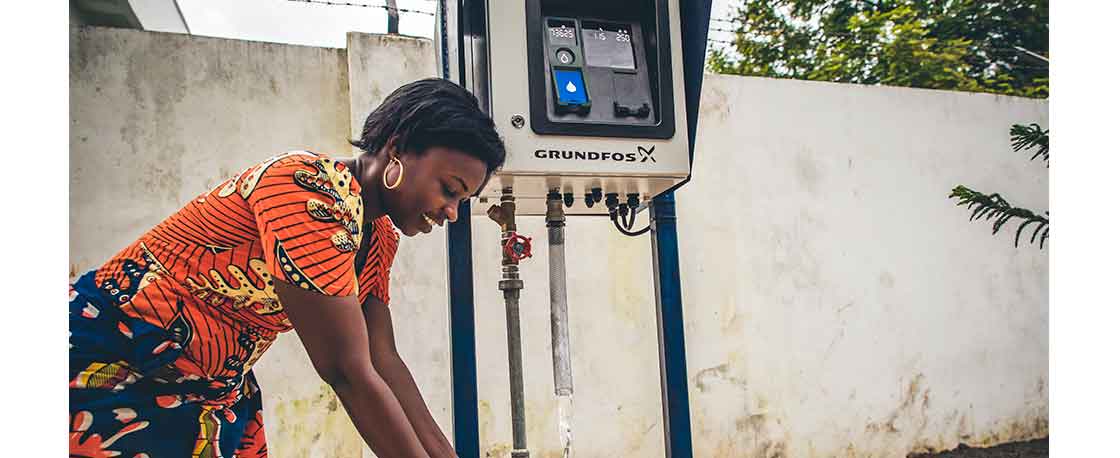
[[460, 270], [516, 381], [464, 366], [695, 16], [394, 17], [511, 286], [558, 296], [670, 328], [558, 300]]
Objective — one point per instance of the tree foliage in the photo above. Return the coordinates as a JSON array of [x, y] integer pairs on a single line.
[[994, 206], [1030, 137], [966, 45]]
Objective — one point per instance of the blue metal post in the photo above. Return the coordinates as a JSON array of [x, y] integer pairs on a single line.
[[695, 16], [670, 328], [464, 366], [460, 281]]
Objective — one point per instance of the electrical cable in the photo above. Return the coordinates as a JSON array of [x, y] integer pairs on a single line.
[[623, 215], [871, 33], [625, 227], [844, 37], [626, 232], [365, 5]]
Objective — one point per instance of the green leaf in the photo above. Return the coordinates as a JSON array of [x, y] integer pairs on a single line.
[[965, 45]]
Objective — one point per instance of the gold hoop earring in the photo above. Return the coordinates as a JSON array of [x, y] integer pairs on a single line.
[[400, 176]]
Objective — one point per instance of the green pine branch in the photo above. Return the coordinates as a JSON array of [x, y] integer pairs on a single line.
[[1031, 137], [989, 206]]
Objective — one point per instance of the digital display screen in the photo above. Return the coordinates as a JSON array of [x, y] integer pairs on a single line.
[[561, 32], [607, 45]]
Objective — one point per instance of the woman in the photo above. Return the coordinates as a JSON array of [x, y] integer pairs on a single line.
[[164, 334]]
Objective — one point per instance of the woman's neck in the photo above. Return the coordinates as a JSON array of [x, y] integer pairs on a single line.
[[367, 169]]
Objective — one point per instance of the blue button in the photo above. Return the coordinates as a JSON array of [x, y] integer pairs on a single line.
[[569, 87]]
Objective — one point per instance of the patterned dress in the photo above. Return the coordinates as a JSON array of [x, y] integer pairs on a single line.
[[163, 337]]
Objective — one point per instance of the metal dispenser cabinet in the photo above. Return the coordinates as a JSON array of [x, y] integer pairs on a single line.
[[596, 101], [588, 96]]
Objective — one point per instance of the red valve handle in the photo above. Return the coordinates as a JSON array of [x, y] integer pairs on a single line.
[[519, 247]]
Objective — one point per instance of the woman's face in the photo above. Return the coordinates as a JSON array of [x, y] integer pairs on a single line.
[[434, 183]]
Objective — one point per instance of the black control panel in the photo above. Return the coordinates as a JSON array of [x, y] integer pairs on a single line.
[[601, 72]]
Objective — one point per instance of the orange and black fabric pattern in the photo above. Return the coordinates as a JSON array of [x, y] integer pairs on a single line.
[[164, 335]]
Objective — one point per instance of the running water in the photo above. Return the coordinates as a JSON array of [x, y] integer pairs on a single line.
[[566, 424]]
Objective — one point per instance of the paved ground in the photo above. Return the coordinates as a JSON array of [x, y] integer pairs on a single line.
[[1031, 449]]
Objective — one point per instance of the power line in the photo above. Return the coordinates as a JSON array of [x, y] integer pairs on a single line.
[[711, 29], [1009, 65], [870, 34], [366, 5], [1033, 54], [847, 36]]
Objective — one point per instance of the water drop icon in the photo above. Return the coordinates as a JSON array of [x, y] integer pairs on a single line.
[[570, 87]]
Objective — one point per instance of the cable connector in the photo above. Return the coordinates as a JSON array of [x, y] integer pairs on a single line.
[[627, 212], [632, 201], [612, 202]]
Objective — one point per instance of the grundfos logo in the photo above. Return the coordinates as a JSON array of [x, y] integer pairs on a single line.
[[641, 155]]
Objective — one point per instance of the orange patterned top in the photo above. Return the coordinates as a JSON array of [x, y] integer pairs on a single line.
[[206, 272]]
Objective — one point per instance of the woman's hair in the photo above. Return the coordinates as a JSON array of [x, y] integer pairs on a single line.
[[433, 112]]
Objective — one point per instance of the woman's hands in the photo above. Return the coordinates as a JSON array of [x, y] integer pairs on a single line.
[[388, 363], [333, 331]]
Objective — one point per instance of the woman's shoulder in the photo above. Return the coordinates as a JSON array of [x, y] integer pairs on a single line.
[[290, 158], [246, 181]]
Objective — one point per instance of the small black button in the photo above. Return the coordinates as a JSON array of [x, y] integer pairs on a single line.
[[565, 56]]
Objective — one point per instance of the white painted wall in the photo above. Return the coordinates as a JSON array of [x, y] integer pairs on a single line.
[[837, 302], [158, 118]]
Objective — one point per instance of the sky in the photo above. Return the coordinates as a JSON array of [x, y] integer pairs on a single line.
[[315, 24]]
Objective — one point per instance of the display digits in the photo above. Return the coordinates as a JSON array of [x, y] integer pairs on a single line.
[[563, 32], [608, 45]]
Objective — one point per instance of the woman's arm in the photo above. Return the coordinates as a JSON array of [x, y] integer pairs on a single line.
[[333, 331], [388, 363]]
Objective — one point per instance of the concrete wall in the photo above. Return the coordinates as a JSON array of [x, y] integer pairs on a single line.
[[158, 118], [837, 303]]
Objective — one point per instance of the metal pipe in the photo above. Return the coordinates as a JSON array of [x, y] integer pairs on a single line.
[[558, 299], [394, 17], [670, 328], [558, 296], [516, 380], [511, 286]]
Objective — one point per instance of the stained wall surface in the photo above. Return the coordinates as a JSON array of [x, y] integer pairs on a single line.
[[837, 302]]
